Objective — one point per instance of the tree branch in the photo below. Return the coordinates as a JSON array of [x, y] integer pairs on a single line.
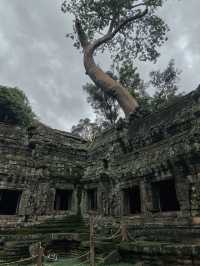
[[110, 34], [130, 19], [112, 23], [146, 3], [138, 5], [81, 34]]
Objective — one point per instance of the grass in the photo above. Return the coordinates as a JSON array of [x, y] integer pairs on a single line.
[[74, 262]]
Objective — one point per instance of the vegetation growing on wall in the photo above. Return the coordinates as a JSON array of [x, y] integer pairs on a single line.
[[107, 110], [15, 107]]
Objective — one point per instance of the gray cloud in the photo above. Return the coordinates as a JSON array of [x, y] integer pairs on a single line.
[[183, 44], [36, 56]]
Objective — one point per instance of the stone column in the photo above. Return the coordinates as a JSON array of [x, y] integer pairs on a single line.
[[147, 198], [182, 186], [143, 197], [195, 198], [84, 203], [24, 207]]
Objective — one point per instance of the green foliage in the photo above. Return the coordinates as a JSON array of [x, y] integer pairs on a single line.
[[139, 38], [130, 79], [15, 107], [104, 104], [165, 84], [108, 110], [86, 129]]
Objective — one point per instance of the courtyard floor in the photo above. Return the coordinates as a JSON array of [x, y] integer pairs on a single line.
[[69, 262]]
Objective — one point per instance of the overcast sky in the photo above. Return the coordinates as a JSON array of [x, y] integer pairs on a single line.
[[36, 56]]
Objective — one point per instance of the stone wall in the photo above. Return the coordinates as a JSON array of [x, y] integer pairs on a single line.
[[140, 155], [158, 158], [36, 163], [160, 147], [144, 172]]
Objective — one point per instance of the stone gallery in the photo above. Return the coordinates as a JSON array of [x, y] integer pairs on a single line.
[[144, 173]]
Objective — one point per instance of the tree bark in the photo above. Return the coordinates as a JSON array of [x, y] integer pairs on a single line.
[[92, 241], [124, 232], [127, 102], [40, 255], [106, 83]]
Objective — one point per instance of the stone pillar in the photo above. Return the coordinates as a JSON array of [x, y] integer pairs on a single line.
[[143, 197], [122, 203], [84, 203], [43, 197], [147, 198], [182, 186], [195, 198], [24, 207], [76, 200]]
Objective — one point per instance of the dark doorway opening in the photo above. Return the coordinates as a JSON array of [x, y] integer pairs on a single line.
[[132, 200], [9, 201], [63, 200], [61, 247], [164, 196], [92, 199]]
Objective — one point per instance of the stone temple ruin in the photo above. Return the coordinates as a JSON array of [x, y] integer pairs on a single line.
[[145, 172]]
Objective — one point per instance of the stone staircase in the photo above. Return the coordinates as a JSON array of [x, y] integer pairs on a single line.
[[59, 230], [68, 224]]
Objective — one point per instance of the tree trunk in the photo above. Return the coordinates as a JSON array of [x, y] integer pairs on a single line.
[[106, 83], [40, 255], [124, 232], [92, 241]]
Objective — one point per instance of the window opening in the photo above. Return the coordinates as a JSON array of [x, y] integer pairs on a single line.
[[132, 200], [9, 201], [63, 200], [92, 199], [164, 196]]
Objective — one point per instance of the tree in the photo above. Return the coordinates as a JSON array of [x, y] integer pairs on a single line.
[[86, 129], [15, 107], [106, 107], [128, 28], [104, 104], [165, 84], [130, 78]]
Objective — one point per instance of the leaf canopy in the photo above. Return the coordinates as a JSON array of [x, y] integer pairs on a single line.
[[104, 104], [15, 107], [166, 84], [139, 38], [85, 129]]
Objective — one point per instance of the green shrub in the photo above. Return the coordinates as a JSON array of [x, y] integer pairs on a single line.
[[14, 107]]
